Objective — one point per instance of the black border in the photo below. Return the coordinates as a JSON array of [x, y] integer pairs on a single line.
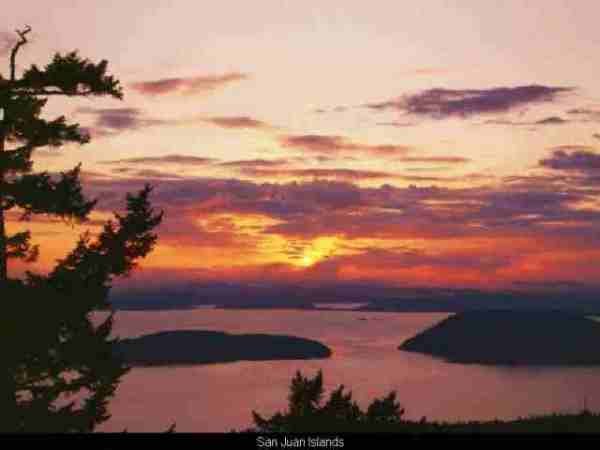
[[108, 441]]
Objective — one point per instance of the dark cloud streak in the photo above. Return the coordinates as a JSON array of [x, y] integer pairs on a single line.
[[112, 121], [578, 160], [236, 122], [444, 103]]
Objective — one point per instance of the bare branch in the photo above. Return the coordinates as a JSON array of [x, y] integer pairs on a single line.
[[13, 54]]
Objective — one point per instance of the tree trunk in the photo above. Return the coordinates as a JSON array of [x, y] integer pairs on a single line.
[[7, 382], [3, 256]]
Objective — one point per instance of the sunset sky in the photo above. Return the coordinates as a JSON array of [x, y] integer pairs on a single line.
[[427, 143]]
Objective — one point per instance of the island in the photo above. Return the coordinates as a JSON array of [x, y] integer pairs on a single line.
[[187, 347], [538, 338]]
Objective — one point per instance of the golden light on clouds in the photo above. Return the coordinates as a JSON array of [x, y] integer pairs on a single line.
[[318, 250]]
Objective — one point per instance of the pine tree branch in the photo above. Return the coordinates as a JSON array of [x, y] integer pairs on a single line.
[[69, 75], [19, 246], [41, 194], [44, 92], [17, 160]]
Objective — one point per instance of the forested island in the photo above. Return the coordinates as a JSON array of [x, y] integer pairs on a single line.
[[512, 338], [185, 347]]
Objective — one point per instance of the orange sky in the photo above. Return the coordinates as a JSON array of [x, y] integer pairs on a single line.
[[439, 143]]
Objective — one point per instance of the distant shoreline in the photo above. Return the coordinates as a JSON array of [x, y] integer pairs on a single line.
[[388, 305]]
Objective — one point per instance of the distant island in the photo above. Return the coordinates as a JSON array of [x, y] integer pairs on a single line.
[[511, 338], [185, 347]]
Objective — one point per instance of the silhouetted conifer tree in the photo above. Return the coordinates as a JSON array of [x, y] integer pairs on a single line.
[[307, 413], [61, 366]]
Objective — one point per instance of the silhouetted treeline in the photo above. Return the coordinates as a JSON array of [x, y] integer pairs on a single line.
[[309, 412]]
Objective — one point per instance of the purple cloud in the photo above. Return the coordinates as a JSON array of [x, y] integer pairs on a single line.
[[552, 120], [145, 173], [577, 160], [237, 122], [340, 174], [407, 258], [255, 163], [332, 144], [112, 121], [187, 86], [326, 208], [443, 103]]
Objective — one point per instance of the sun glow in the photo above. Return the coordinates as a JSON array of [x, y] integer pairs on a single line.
[[318, 250], [308, 260]]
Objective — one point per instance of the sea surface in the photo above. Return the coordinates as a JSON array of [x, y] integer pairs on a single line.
[[365, 358]]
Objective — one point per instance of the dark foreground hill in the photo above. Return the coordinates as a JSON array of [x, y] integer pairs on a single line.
[[208, 347], [511, 338]]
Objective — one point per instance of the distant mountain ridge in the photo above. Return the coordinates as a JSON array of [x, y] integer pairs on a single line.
[[577, 299]]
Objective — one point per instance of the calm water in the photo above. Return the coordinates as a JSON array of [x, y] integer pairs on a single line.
[[365, 357]]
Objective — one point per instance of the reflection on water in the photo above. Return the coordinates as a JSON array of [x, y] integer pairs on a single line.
[[365, 358], [340, 306]]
